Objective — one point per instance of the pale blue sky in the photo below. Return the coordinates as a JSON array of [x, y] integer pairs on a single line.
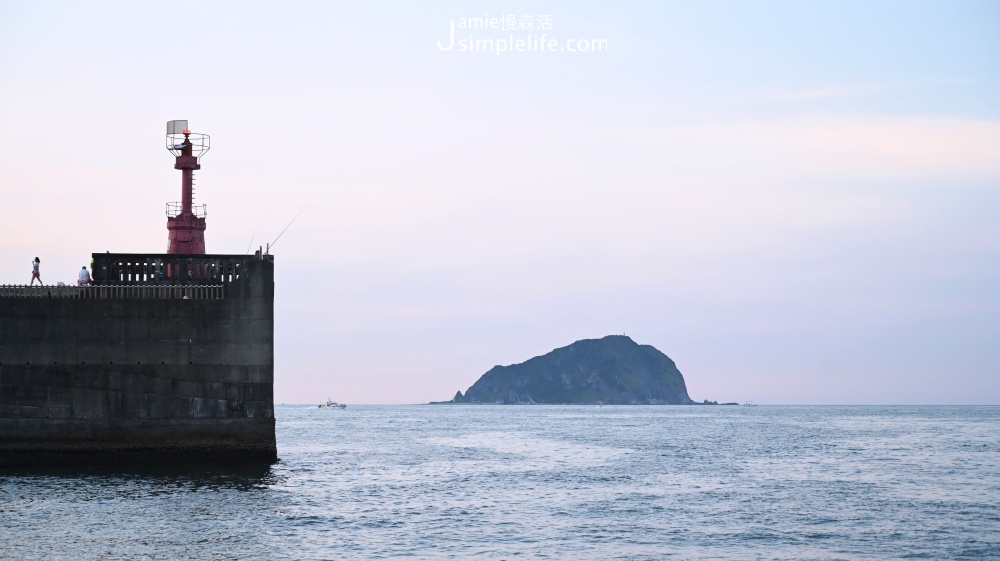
[[796, 201]]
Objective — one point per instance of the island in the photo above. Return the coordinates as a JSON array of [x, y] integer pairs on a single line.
[[610, 370]]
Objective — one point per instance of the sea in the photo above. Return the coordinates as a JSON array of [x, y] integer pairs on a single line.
[[545, 482]]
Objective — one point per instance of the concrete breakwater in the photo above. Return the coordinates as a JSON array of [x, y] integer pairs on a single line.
[[175, 366]]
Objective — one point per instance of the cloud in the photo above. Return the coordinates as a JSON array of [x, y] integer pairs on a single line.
[[828, 93], [821, 147]]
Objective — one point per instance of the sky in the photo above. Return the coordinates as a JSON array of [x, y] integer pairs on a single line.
[[796, 201]]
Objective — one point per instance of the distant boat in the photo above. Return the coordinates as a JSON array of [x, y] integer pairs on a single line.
[[333, 404], [749, 404]]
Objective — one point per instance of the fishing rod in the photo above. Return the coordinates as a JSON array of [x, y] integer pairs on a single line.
[[270, 245], [251, 238]]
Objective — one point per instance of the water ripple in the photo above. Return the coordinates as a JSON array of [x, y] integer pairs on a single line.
[[547, 482]]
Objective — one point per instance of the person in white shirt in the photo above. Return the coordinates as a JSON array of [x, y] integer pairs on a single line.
[[84, 276], [34, 271]]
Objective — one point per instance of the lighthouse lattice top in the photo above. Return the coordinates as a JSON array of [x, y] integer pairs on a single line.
[[178, 132]]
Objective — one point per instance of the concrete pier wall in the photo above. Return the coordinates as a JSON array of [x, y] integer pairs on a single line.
[[112, 380]]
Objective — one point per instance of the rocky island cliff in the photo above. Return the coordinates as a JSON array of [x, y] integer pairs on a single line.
[[613, 370]]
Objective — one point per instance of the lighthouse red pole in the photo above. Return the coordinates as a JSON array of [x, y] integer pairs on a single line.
[[187, 163], [186, 230]]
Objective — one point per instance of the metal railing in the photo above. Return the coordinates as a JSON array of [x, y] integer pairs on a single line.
[[174, 210], [156, 269], [115, 292]]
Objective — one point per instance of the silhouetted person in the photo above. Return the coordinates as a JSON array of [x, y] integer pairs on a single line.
[[34, 272]]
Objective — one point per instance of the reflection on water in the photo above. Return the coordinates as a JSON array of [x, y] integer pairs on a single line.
[[560, 482], [155, 479]]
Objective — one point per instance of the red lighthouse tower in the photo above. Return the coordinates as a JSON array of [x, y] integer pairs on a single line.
[[186, 221]]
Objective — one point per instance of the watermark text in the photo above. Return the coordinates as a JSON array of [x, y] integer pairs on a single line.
[[512, 34]]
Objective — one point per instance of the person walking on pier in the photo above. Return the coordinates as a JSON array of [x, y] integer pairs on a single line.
[[34, 272]]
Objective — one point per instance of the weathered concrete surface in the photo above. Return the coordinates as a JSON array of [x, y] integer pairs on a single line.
[[120, 380]]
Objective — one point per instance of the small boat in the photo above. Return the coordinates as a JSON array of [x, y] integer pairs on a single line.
[[749, 404], [333, 404]]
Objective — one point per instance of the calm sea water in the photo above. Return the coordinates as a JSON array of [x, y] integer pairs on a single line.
[[550, 482]]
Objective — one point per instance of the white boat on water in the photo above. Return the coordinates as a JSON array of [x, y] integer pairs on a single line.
[[749, 404], [333, 404]]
